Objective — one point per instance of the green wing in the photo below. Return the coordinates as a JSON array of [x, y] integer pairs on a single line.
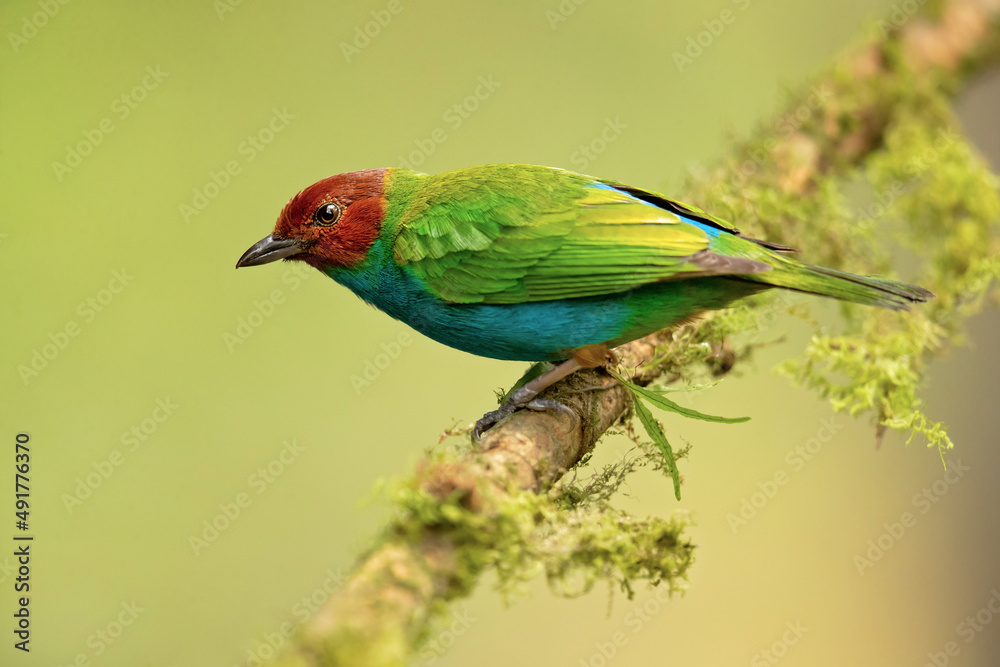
[[515, 233]]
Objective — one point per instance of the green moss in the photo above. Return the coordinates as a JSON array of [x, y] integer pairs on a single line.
[[928, 177], [926, 187], [572, 534]]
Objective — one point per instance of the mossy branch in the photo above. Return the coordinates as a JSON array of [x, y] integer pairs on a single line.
[[881, 115]]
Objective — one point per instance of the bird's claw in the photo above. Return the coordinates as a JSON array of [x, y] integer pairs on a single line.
[[487, 421], [518, 399]]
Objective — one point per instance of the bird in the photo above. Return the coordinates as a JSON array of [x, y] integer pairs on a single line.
[[531, 263]]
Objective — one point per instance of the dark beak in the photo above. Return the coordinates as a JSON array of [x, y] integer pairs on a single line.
[[270, 249]]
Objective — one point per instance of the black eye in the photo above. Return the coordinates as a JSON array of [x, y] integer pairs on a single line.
[[326, 215]]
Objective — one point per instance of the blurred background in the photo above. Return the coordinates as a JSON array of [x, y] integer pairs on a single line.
[[204, 440]]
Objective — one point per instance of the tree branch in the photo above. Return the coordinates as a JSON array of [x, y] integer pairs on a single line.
[[383, 610]]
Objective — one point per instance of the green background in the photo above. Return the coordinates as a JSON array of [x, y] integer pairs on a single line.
[[167, 336]]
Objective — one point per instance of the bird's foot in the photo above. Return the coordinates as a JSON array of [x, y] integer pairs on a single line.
[[518, 399]]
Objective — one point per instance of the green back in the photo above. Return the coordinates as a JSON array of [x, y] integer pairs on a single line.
[[516, 233]]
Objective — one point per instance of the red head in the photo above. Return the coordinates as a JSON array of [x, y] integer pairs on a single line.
[[333, 222]]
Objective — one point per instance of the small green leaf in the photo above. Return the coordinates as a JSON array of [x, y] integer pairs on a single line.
[[660, 440], [668, 389], [655, 397], [665, 403]]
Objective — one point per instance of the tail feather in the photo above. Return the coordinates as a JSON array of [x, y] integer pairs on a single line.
[[865, 290]]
